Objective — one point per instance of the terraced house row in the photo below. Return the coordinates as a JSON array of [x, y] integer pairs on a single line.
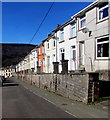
[[80, 44]]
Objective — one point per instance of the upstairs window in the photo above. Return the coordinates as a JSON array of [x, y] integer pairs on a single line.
[[39, 51], [54, 43], [103, 11], [43, 50], [62, 35], [82, 21], [48, 45], [73, 30], [102, 47]]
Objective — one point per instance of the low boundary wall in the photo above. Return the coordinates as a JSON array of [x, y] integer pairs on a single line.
[[78, 86]]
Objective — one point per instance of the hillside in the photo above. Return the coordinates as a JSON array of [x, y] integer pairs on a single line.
[[13, 53]]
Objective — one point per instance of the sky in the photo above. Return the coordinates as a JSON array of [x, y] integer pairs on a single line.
[[20, 20]]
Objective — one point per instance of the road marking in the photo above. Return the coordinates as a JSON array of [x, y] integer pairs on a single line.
[[25, 87], [44, 98], [48, 100], [70, 113], [54, 104]]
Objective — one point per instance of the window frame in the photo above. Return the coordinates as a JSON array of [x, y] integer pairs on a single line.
[[54, 43], [100, 9], [48, 45], [61, 33], [98, 43], [73, 47], [73, 26], [81, 20]]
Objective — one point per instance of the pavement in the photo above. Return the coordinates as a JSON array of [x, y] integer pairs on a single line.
[[73, 108]]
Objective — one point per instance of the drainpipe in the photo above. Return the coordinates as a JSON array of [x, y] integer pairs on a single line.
[[91, 63], [56, 47]]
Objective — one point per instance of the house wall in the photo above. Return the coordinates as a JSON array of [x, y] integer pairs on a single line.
[[41, 57], [98, 29], [66, 45], [50, 52], [33, 60], [8, 72]]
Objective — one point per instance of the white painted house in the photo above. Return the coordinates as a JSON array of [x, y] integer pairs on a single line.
[[8, 71], [50, 53], [66, 44], [33, 60]]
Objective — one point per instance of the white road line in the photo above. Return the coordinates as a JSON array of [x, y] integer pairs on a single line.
[[48, 101], [25, 87], [70, 114], [44, 98]]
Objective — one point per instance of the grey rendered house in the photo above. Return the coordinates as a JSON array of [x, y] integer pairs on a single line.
[[93, 43]]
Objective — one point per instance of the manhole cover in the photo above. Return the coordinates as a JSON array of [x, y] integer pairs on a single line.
[[63, 104]]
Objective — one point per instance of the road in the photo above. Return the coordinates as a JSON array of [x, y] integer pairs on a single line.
[[19, 102]]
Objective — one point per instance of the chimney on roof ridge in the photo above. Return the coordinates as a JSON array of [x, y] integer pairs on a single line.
[[58, 25]]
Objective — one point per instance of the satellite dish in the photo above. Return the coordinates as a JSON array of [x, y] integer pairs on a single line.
[[85, 30]]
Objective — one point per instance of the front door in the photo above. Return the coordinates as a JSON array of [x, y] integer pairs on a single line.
[[81, 54], [73, 58]]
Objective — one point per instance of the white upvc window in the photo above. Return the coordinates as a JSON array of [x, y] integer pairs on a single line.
[[103, 11], [47, 45], [43, 49], [54, 43], [73, 30], [62, 35], [82, 22], [102, 48]]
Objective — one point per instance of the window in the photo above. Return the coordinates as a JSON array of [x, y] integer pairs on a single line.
[[48, 45], [103, 11], [54, 43], [39, 51], [73, 55], [43, 50], [73, 30], [82, 21], [62, 54], [62, 35], [102, 47]]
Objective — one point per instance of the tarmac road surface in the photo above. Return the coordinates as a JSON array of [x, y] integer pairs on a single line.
[[19, 102]]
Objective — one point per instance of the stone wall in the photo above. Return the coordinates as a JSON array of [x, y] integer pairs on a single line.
[[75, 86]]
